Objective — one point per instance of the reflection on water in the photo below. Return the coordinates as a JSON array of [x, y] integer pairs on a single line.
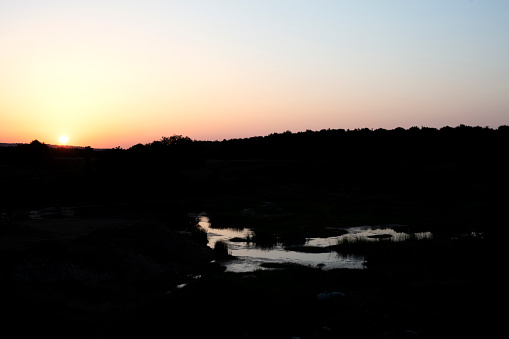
[[248, 257], [393, 232]]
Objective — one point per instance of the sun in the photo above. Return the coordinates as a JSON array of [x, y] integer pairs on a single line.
[[63, 139]]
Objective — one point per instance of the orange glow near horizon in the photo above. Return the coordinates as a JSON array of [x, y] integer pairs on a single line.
[[111, 76]]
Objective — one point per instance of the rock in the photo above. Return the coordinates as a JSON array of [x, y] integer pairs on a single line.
[[327, 295], [238, 239]]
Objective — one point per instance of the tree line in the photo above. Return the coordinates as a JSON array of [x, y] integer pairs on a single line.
[[416, 160], [399, 142]]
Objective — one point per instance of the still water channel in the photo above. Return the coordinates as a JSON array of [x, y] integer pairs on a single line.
[[248, 257]]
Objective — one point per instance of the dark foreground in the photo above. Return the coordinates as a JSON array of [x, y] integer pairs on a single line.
[[90, 276], [109, 239]]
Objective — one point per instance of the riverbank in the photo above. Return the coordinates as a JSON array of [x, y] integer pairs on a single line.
[[311, 303], [98, 277], [84, 275]]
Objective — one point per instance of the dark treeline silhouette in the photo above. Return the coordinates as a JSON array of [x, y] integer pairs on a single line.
[[438, 168], [399, 143]]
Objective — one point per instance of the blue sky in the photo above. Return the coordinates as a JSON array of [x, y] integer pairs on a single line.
[[110, 73]]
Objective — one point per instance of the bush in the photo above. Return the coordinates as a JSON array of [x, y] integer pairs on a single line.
[[221, 249]]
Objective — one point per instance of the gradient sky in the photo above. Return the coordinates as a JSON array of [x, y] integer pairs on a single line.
[[116, 73]]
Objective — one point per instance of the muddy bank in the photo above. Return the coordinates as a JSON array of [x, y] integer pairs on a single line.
[[80, 278], [94, 250], [114, 277]]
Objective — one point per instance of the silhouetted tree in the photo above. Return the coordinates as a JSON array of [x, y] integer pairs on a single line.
[[175, 140]]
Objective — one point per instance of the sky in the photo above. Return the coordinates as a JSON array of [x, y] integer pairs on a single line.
[[109, 73]]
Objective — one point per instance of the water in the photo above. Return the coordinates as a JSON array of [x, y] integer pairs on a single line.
[[248, 257]]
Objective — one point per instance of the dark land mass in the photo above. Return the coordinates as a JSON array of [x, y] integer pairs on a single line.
[[98, 244]]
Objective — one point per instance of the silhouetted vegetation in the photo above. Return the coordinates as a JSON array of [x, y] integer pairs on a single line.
[[433, 164], [221, 249], [96, 243]]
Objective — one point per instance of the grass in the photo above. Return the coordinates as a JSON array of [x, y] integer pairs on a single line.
[[361, 244]]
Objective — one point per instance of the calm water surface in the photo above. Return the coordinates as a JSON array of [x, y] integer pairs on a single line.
[[248, 257]]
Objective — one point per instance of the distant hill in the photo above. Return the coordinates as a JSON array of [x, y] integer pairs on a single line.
[[2, 144]]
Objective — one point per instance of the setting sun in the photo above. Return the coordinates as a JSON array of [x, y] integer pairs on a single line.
[[63, 139], [113, 73]]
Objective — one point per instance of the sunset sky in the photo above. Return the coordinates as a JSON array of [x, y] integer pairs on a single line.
[[116, 73]]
